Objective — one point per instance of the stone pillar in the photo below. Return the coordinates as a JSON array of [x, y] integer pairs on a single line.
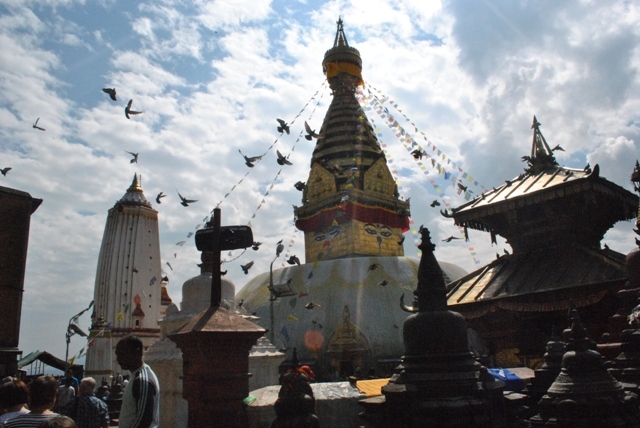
[[215, 349], [16, 208]]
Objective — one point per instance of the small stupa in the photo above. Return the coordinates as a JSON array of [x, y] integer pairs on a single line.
[[585, 394], [437, 384]]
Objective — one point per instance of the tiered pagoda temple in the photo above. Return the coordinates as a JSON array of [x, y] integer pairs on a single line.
[[554, 218]]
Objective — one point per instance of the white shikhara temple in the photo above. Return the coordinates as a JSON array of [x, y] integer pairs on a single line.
[[128, 288]]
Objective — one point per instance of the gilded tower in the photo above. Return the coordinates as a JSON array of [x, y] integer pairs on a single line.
[[350, 204], [128, 287]]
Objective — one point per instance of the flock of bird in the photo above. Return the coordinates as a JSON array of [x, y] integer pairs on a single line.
[[250, 161]]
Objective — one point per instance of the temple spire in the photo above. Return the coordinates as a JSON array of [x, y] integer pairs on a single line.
[[541, 157], [341, 39]]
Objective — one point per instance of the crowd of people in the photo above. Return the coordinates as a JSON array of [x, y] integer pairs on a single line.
[[48, 403]]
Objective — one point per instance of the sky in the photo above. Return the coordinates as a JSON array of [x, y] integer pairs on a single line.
[[211, 77]]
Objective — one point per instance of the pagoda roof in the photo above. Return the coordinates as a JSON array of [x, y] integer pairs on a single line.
[[542, 184], [548, 279], [528, 189]]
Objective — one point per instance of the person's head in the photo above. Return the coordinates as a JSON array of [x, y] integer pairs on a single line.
[[129, 353], [69, 373], [87, 385], [43, 391], [13, 393], [68, 381], [58, 422]]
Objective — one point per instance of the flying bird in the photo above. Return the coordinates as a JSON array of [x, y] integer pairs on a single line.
[[383, 283], [312, 305], [283, 126], [165, 278], [35, 125], [134, 270], [223, 272], [282, 160], [245, 268], [435, 203], [294, 260], [160, 196], [375, 266], [250, 160], [111, 92], [310, 132], [449, 239], [557, 148], [256, 245], [417, 154], [135, 157], [462, 187], [300, 186], [185, 202], [5, 170], [128, 111]]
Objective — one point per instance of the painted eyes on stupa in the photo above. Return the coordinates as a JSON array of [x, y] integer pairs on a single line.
[[372, 229], [319, 237]]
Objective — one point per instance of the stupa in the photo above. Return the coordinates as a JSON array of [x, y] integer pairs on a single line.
[[128, 287], [339, 309]]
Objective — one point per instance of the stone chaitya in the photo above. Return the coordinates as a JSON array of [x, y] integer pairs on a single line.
[[437, 384]]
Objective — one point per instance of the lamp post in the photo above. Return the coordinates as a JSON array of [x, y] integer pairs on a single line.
[[272, 295], [74, 328]]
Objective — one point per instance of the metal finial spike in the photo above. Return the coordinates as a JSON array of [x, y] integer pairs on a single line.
[[535, 124]]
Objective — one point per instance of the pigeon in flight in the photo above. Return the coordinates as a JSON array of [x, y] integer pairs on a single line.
[[245, 268], [375, 266], [185, 202], [462, 187], [35, 125], [300, 186], [435, 203], [5, 170], [417, 154], [111, 92], [312, 305], [283, 126], [128, 111], [557, 148], [250, 160], [223, 272], [294, 260], [135, 157], [383, 283], [282, 160], [310, 132], [160, 196], [256, 246], [449, 239]]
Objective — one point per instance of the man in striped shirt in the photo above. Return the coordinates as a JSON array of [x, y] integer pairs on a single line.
[[140, 404]]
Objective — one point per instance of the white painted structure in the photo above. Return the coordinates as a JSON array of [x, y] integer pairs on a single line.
[[127, 290]]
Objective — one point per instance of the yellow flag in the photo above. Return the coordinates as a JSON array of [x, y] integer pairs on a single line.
[[291, 317], [120, 316], [72, 360]]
